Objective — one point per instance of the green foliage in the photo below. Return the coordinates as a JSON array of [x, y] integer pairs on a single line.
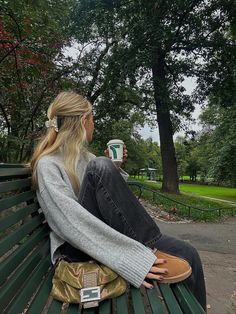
[[220, 138], [32, 35], [188, 159]]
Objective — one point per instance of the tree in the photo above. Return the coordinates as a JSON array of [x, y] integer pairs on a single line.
[[219, 133], [152, 46], [153, 156], [188, 155], [32, 36], [181, 155]]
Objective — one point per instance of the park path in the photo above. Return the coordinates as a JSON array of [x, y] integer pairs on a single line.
[[220, 200], [213, 237], [216, 243]]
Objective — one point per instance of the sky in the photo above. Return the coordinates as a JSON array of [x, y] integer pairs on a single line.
[[146, 131]]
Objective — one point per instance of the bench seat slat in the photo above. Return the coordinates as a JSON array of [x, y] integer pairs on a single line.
[[73, 309], [23, 298], [19, 234], [137, 301], [170, 300], [105, 307], [16, 200], [187, 301], [17, 216], [89, 311], [16, 282], [157, 304], [55, 307], [121, 304], [11, 262], [13, 185]]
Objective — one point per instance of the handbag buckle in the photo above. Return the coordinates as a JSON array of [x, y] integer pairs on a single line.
[[90, 294]]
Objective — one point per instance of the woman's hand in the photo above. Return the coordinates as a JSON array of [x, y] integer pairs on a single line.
[[125, 155], [156, 273]]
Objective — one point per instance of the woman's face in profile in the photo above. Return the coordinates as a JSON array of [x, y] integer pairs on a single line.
[[89, 127]]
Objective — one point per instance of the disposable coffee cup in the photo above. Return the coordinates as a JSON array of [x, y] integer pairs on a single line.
[[115, 149]]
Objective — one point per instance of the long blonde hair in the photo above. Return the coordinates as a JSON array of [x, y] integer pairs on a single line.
[[70, 109]]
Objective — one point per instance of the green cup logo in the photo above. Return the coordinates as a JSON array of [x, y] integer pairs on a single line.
[[115, 149]]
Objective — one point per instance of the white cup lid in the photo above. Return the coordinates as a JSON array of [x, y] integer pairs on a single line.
[[115, 142]]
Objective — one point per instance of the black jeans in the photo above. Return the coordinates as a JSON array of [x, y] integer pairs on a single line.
[[106, 195]]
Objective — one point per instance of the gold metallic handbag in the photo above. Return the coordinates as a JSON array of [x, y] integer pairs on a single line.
[[86, 282]]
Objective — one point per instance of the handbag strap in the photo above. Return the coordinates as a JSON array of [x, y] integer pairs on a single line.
[[90, 280]]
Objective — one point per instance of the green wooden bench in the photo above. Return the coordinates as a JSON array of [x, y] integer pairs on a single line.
[[26, 271]]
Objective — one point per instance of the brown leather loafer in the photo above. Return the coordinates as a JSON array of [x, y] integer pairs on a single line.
[[178, 268]]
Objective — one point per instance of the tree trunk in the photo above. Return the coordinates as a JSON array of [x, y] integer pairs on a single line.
[[170, 182]]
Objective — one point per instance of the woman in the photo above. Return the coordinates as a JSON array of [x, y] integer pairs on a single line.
[[93, 214]]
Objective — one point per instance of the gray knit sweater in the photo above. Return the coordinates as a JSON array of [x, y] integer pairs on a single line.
[[70, 222]]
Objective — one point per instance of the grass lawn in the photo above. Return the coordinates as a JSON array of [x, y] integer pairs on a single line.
[[191, 195], [223, 193]]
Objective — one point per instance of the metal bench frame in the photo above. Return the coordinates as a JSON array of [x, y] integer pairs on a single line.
[[26, 271]]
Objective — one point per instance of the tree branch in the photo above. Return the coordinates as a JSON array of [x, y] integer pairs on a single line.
[[11, 14], [6, 119], [19, 77], [182, 18], [45, 89], [190, 46], [170, 71], [98, 67], [11, 50]]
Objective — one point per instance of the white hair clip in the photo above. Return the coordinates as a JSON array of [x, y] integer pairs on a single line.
[[52, 123]]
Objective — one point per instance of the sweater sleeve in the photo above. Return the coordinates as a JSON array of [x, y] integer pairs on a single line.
[[73, 223], [124, 174]]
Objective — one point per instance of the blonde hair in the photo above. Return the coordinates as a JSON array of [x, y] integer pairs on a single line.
[[70, 109]]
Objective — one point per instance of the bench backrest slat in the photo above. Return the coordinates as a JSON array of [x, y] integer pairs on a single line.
[[12, 261], [22, 274], [7, 165], [14, 185], [24, 245], [18, 216], [41, 297], [20, 302], [16, 200], [14, 238], [10, 173]]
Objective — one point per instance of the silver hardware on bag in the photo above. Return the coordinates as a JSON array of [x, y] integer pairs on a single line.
[[90, 294]]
